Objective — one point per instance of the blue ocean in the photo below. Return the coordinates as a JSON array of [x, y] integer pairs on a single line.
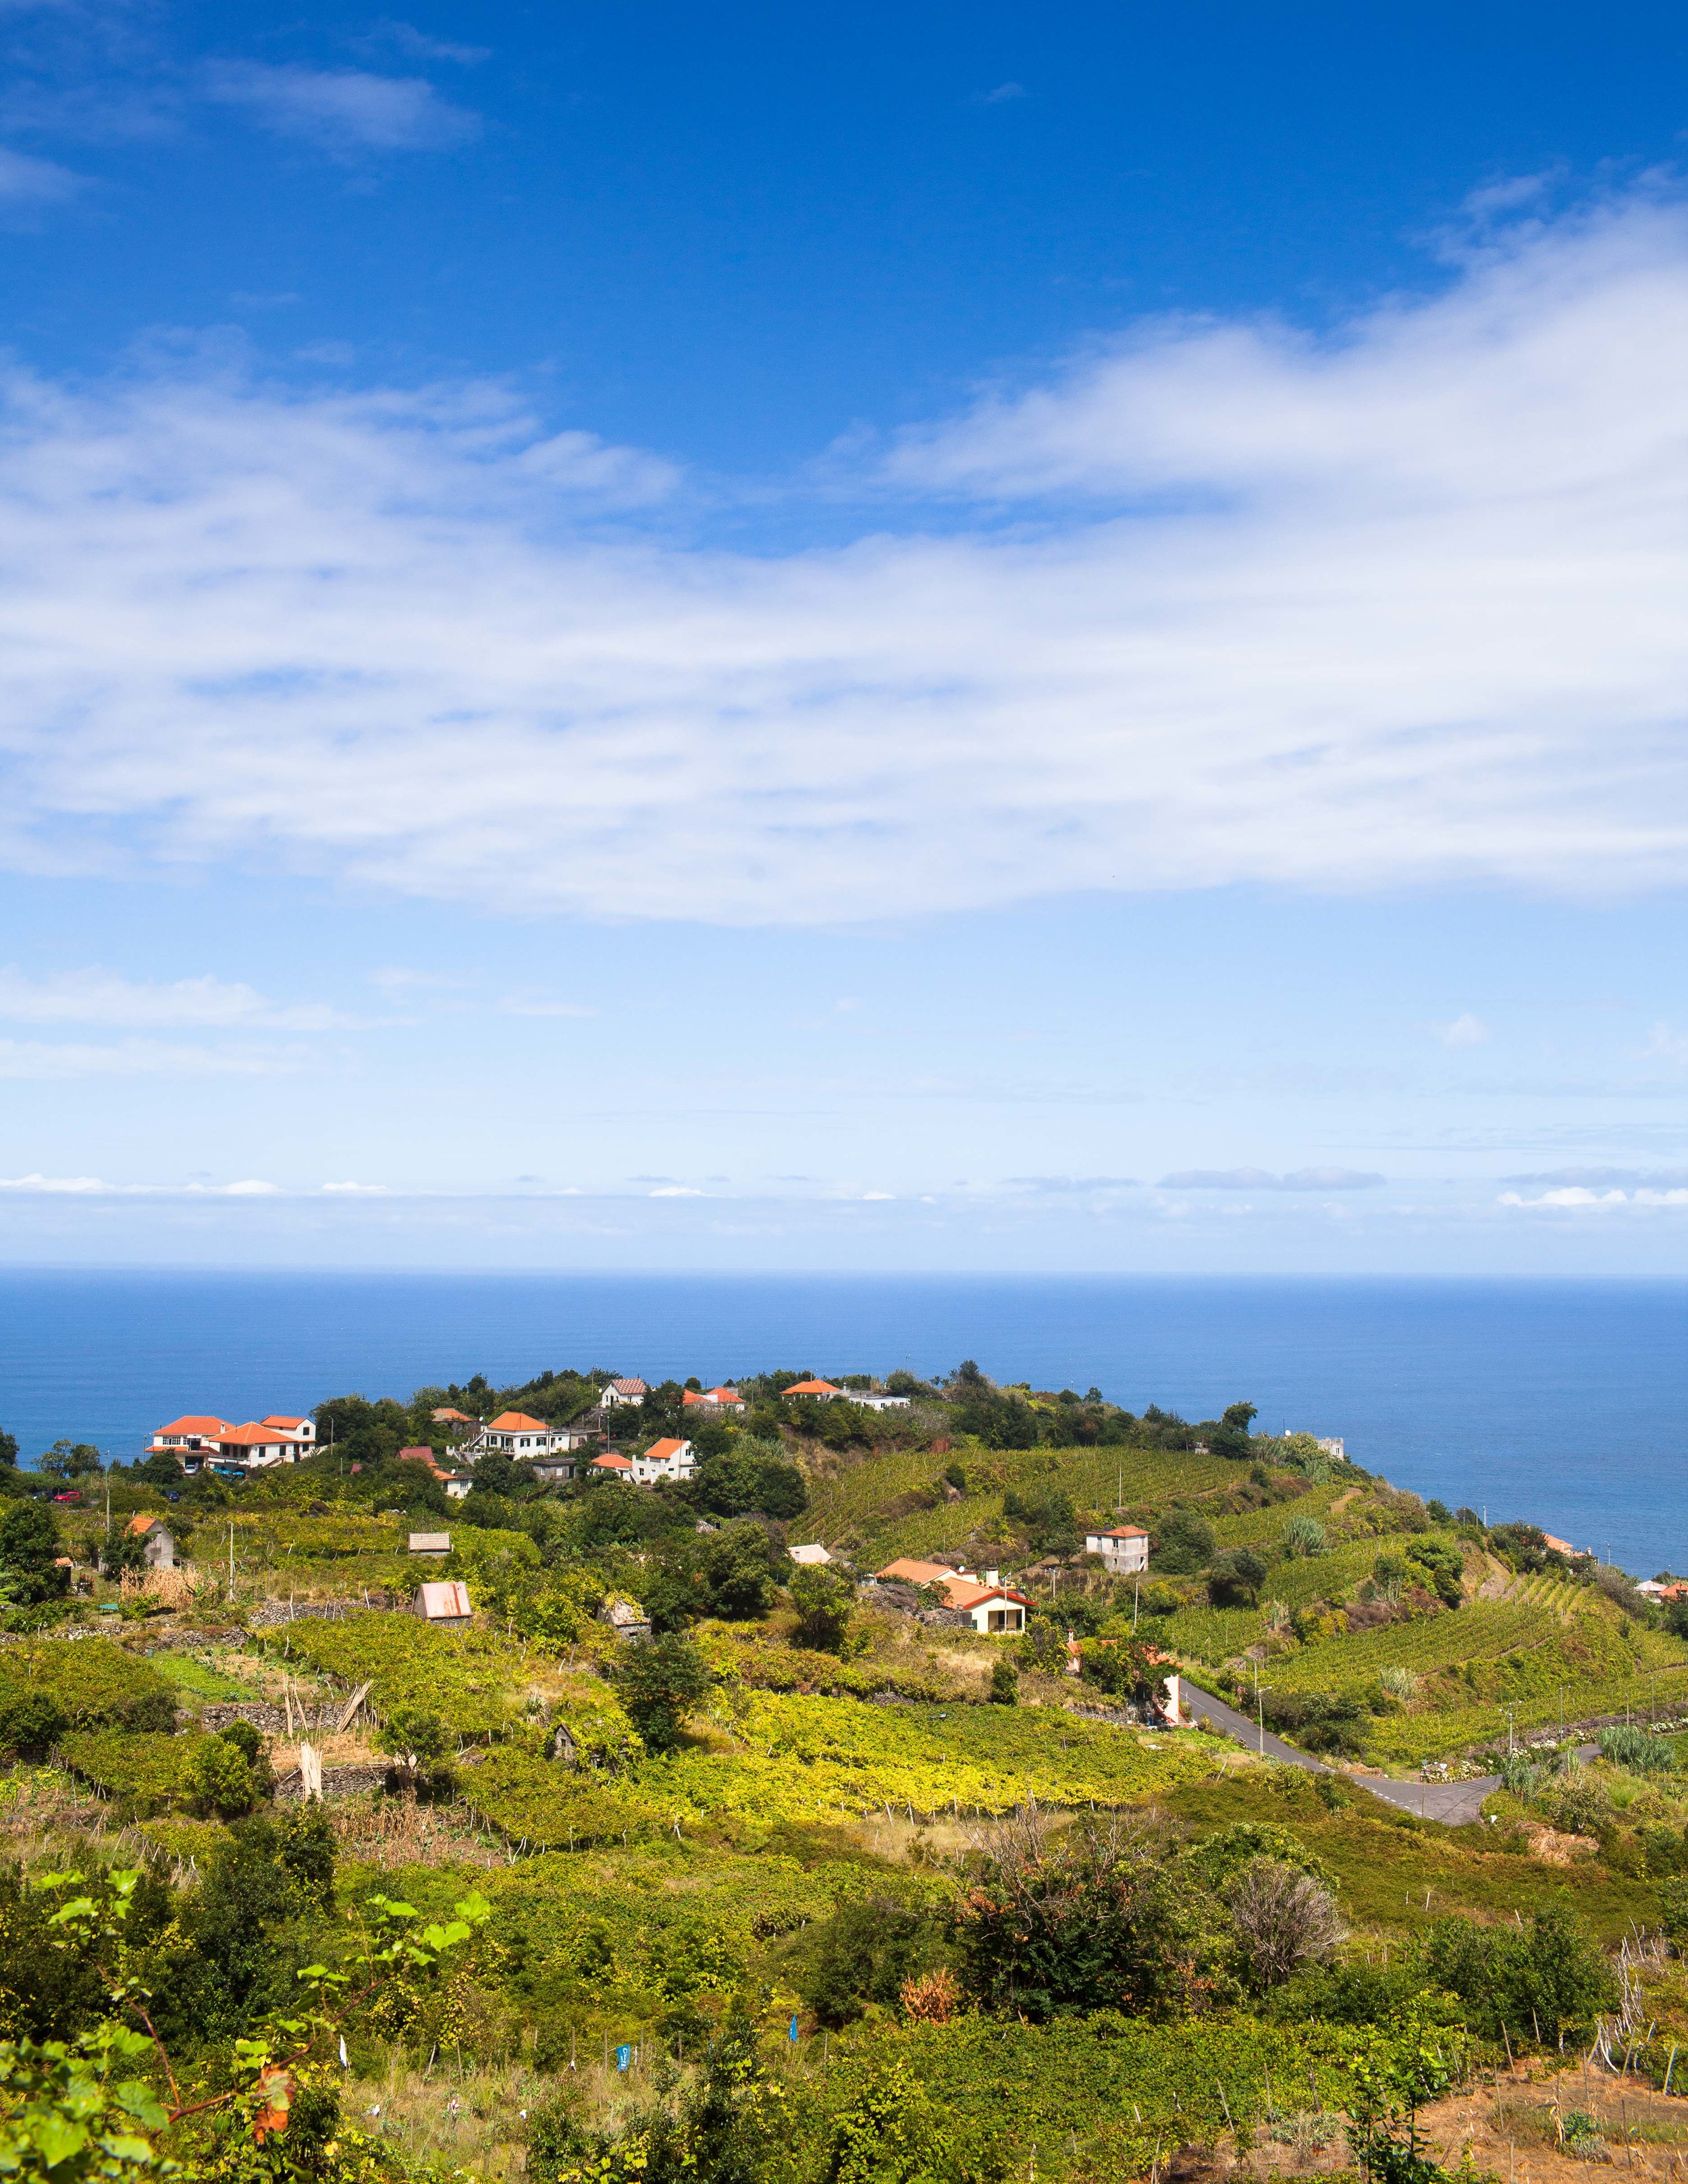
[[1563, 1402]]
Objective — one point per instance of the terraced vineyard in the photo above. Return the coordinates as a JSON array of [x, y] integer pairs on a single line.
[[1481, 1630]]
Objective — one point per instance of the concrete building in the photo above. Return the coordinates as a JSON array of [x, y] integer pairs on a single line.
[[1124, 1550]]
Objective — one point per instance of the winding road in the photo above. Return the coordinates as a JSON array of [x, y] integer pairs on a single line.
[[1453, 1803]]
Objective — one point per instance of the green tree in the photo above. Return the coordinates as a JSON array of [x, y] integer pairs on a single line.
[[9, 1451], [825, 1603], [122, 1549], [72, 1460], [863, 1953], [1005, 1683], [29, 1547], [658, 1682], [31, 1721], [219, 1777], [1085, 1919], [1236, 1577], [1230, 1436], [421, 1743], [1182, 1542]]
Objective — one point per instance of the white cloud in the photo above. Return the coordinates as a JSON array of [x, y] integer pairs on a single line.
[[1396, 608], [31, 183], [355, 1190], [341, 109], [92, 1186], [1579, 1194], [1670, 1045], [1466, 1030], [41, 1059], [103, 997], [1258, 1178], [675, 1191]]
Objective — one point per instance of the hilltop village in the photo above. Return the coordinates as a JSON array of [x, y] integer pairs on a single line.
[[819, 1778]]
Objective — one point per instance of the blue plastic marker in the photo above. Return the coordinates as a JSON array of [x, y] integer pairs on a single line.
[[794, 2028], [624, 2059]]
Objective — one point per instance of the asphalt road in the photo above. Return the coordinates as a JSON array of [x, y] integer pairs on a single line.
[[1453, 1803]]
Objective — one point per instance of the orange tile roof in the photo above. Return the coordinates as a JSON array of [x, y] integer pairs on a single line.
[[724, 1395], [202, 1426], [660, 1451], [454, 1418], [275, 1420], [961, 1592], [917, 1572], [1122, 1532], [813, 1388], [141, 1525], [517, 1421], [248, 1436], [610, 1462]]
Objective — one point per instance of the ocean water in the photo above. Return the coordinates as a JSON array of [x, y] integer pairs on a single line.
[[1563, 1402]]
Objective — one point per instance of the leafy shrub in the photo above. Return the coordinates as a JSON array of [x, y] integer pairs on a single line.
[[29, 1549], [1533, 1982], [1318, 1721], [1236, 1577], [867, 1952], [30, 1722], [1089, 1918], [1625, 1746], [1183, 1543], [217, 1775], [1049, 1520], [750, 1475], [660, 1681], [1443, 1567], [1305, 1535], [1005, 1684], [825, 1602]]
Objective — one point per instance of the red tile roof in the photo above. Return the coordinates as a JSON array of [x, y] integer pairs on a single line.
[[635, 1386], [610, 1462], [1122, 1532], [813, 1388], [204, 1428], [517, 1421]]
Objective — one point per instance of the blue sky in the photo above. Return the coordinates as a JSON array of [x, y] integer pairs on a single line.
[[979, 637]]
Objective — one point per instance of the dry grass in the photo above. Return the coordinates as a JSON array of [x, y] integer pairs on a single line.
[[396, 1833]]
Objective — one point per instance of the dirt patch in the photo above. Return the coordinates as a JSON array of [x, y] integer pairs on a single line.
[[1553, 1848]]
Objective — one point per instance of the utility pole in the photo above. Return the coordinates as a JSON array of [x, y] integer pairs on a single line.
[[1136, 1594], [1511, 1747], [231, 1562], [1260, 1709]]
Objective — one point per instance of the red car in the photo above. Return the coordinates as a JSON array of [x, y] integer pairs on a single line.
[[72, 1497]]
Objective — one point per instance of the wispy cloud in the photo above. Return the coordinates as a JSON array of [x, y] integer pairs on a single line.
[[1397, 606], [355, 1190], [29, 184], [1578, 1196], [1003, 94], [416, 44], [92, 1186], [1260, 1179], [104, 997], [343, 109], [1466, 1030], [44, 1060]]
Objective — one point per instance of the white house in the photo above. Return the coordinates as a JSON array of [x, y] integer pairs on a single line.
[[1125, 1549], [994, 1610], [881, 1402], [612, 1464], [812, 1557], [725, 1399], [664, 1459], [633, 1391], [302, 1432], [198, 1440], [513, 1433], [457, 1485], [817, 1391]]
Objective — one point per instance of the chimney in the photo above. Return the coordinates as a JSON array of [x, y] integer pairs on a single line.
[[993, 1577]]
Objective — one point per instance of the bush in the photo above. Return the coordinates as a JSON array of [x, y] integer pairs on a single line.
[[1625, 1746], [30, 1722], [218, 1776], [660, 1681], [1282, 1919], [825, 1603], [1532, 1983], [1092, 1917], [1005, 1684], [29, 1548], [1183, 1543], [866, 1953], [1305, 1535], [1236, 1577], [750, 1477], [1318, 1721]]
